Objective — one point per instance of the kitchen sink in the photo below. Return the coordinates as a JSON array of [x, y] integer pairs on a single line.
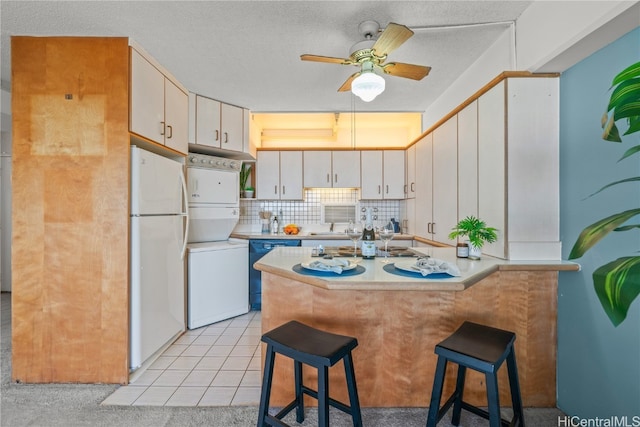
[[328, 233]]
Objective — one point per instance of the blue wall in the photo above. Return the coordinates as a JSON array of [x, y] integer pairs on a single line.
[[598, 364]]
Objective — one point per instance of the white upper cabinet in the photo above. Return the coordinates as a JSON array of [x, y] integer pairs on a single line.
[[371, 174], [327, 169], [231, 127], [382, 174], [492, 166], [468, 161], [207, 121], [346, 169], [394, 176], [410, 157], [423, 211], [445, 180], [159, 108], [279, 175], [217, 125], [317, 169]]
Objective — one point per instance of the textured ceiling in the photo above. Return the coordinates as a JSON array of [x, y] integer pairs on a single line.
[[247, 53]]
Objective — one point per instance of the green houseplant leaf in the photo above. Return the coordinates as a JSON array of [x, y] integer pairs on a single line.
[[476, 230], [617, 284], [598, 230]]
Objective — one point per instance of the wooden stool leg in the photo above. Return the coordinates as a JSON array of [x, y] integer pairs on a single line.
[[514, 385], [353, 391], [297, 372], [457, 405], [436, 392], [323, 396], [266, 386], [493, 399]]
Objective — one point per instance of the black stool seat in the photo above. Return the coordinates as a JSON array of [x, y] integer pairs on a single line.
[[484, 349], [315, 348]]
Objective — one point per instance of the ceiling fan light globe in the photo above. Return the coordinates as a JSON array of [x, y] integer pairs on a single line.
[[367, 86]]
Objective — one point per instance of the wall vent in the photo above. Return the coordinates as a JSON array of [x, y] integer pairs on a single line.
[[338, 213]]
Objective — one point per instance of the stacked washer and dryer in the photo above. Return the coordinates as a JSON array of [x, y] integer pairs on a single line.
[[217, 265]]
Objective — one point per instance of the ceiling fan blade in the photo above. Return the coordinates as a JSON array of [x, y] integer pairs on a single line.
[[409, 71], [391, 38], [330, 59], [346, 86]]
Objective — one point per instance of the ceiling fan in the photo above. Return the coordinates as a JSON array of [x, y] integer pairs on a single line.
[[370, 54]]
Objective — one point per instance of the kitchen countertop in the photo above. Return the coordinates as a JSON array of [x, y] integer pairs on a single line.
[[280, 261], [306, 236]]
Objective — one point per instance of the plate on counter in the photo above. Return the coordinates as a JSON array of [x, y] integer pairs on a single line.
[[309, 266]]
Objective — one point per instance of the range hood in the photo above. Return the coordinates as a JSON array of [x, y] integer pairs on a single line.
[[227, 154]]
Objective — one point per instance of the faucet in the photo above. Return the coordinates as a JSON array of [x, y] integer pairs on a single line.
[[331, 226]]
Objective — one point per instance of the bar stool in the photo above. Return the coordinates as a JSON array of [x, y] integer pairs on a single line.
[[483, 349], [316, 348]]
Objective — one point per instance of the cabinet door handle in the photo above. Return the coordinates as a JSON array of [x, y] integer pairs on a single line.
[[428, 228], [405, 189], [275, 189], [433, 228], [387, 186], [328, 178], [226, 137], [170, 132], [413, 188], [162, 128], [379, 189], [336, 178], [217, 134], [283, 190]]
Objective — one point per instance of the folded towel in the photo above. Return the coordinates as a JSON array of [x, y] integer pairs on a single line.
[[336, 265], [428, 266]]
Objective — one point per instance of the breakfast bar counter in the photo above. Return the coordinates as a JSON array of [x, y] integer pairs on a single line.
[[398, 320]]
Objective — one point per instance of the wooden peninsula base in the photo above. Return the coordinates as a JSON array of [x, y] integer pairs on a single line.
[[397, 331]]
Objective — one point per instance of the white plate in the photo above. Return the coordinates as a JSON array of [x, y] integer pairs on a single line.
[[308, 266], [407, 266]]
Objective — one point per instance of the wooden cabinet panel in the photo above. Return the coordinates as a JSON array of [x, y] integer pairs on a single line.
[[70, 292]]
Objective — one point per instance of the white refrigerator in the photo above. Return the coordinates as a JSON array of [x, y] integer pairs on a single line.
[[159, 225]]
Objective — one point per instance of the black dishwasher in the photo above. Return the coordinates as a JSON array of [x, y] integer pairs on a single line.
[[257, 249]]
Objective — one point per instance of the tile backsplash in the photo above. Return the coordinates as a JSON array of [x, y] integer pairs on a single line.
[[308, 211]]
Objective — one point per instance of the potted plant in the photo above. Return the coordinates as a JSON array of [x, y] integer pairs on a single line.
[[248, 192], [245, 171], [477, 233]]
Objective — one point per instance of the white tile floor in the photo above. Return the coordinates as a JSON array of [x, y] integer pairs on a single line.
[[216, 365]]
